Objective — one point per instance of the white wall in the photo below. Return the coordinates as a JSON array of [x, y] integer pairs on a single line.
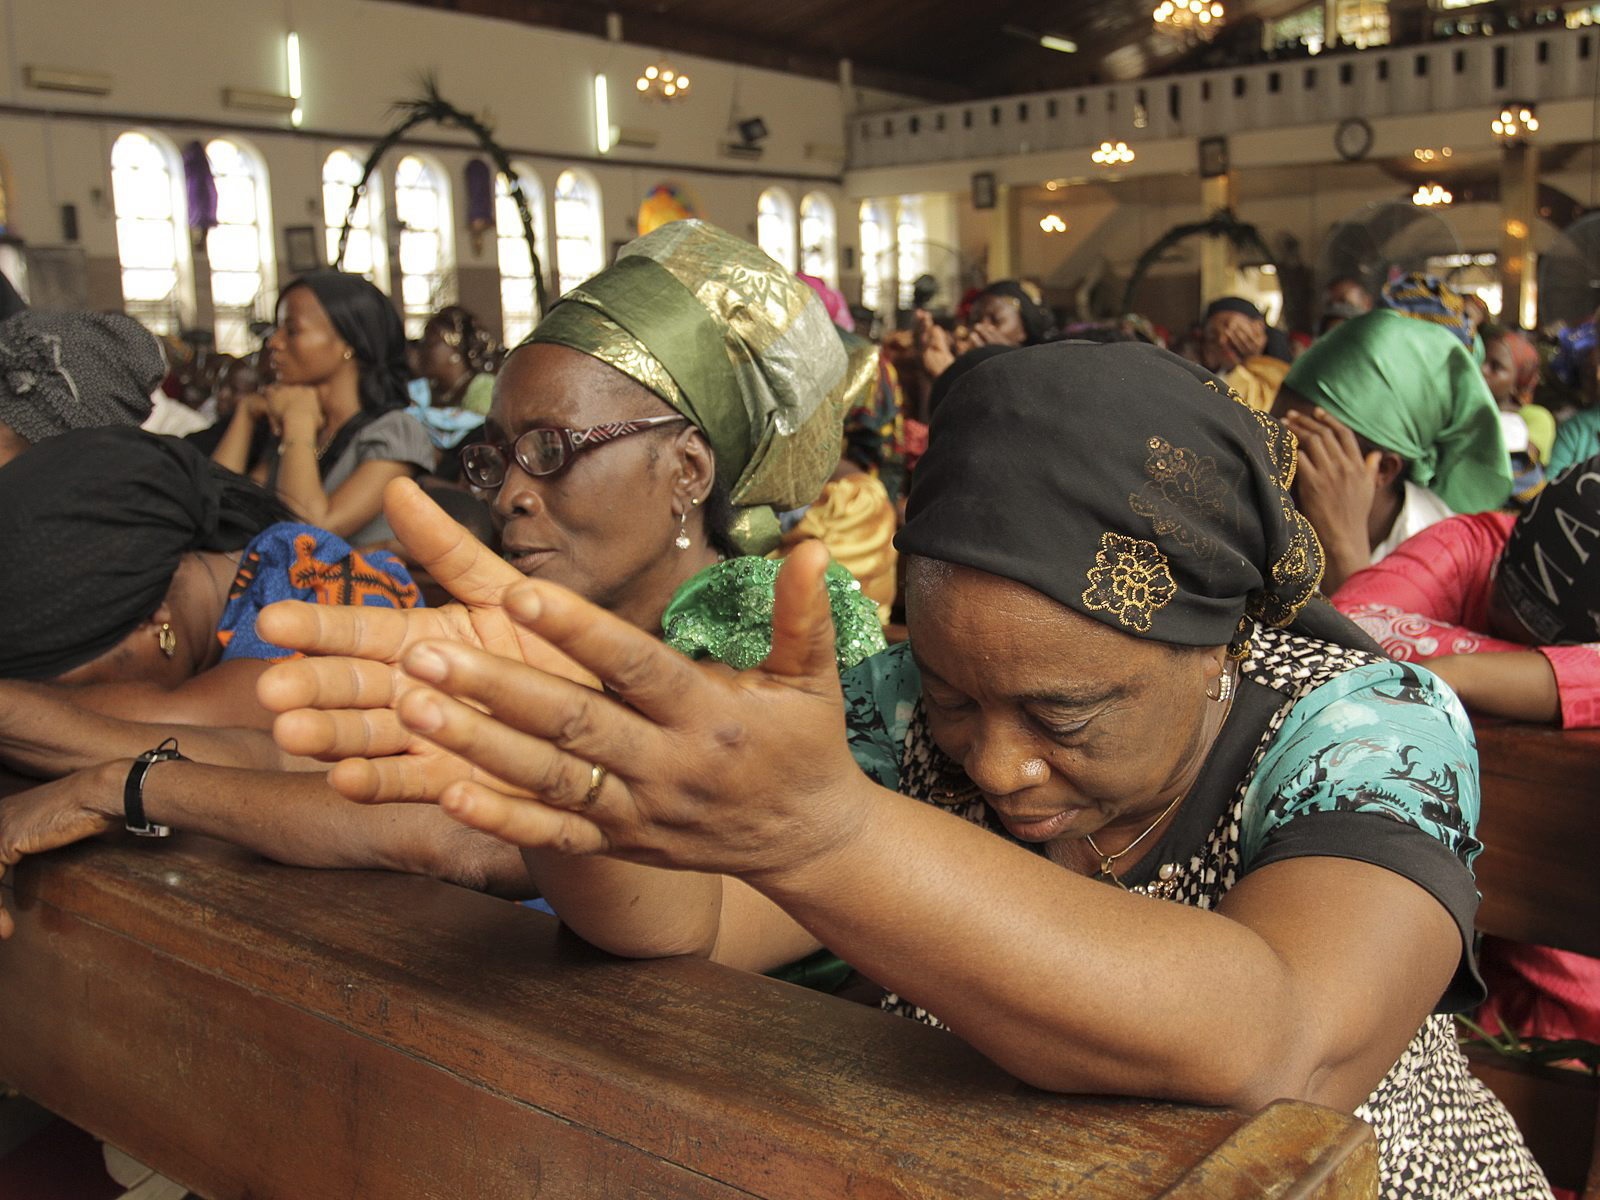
[[170, 62]]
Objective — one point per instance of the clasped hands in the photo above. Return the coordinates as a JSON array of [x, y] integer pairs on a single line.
[[489, 707]]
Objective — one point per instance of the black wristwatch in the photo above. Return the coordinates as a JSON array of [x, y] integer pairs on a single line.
[[133, 816]]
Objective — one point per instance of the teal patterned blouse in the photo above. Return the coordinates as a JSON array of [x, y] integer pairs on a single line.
[[1388, 739]]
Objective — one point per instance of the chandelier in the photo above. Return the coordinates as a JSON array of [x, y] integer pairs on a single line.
[[661, 82], [1429, 195], [1112, 153], [1189, 20]]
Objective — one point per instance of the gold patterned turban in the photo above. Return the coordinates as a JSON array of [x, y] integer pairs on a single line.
[[737, 344]]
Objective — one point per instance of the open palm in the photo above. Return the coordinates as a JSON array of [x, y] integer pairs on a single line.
[[338, 703]]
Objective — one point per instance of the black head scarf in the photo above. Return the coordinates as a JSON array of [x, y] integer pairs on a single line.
[[1123, 482], [957, 371], [363, 316], [75, 370], [1277, 344], [11, 301], [93, 525], [1549, 572], [1038, 322]]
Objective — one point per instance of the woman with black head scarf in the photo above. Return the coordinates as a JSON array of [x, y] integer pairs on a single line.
[[337, 408], [135, 567], [1006, 314], [1148, 818]]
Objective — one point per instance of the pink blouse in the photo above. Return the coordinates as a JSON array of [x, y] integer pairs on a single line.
[[1431, 595]]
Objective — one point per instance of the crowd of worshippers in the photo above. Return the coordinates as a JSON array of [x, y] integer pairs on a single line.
[[1065, 621]]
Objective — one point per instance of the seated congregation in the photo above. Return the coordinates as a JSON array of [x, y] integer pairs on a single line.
[[1105, 707]]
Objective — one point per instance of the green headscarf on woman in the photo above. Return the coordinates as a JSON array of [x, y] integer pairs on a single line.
[[1412, 387], [737, 344]]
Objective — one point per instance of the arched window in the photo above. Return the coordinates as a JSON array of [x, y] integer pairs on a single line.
[[519, 307], [877, 242], [367, 252], [775, 226], [819, 239], [147, 196], [580, 230], [911, 241], [239, 246], [427, 251]]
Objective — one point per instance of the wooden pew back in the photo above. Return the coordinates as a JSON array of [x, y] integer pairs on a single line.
[[255, 1030], [1540, 878]]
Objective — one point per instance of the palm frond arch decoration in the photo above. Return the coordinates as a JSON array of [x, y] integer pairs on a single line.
[[431, 106], [1221, 223]]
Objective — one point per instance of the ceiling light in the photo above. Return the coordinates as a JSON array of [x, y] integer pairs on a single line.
[[1112, 153], [661, 82], [1428, 195], [1051, 42], [1052, 223], [1516, 120], [1189, 20]]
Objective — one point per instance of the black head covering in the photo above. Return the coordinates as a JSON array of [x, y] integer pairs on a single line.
[[11, 301], [1038, 322], [958, 370], [93, 525], [363, 316], [1549, 572], [1123, 482], [75, 370]]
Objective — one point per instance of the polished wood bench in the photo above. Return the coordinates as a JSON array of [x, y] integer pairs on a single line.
[[256, 1030], [1540, 878]]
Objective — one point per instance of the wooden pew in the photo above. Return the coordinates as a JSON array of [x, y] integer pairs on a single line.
[[256, 1030], [1540, 878]]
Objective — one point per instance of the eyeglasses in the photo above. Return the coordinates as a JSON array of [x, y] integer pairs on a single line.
[[545, 451]]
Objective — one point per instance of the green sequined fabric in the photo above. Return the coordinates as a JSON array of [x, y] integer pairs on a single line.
[[725, 613]]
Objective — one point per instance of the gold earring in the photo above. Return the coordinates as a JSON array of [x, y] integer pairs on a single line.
[[167, 639], [349, 354], [682, 540]]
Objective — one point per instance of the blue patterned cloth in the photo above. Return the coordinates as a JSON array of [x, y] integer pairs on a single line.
[[1388, 739], [302, 562]]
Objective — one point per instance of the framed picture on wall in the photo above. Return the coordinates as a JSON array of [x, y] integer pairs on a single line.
[[983, 189], [1213, 157], [300, 249]]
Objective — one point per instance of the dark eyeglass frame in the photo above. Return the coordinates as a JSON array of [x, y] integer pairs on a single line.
[[573, 442]]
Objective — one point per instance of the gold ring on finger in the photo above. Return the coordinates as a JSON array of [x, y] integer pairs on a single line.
[[597, 779]]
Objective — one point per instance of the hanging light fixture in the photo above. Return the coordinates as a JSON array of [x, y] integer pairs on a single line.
[[1429, 195], [1112, 153], [661, 82], [1516, 121], [1052, 223], [1189, 20]]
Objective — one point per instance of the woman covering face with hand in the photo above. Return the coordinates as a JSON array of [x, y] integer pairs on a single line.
[[1142, 817]]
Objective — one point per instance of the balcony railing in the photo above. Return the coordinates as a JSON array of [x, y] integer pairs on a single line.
[[1552, 64]]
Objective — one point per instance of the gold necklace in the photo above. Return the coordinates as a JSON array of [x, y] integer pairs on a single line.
[[1106, 860]]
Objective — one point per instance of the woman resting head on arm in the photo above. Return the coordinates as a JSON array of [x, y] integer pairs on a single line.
[[1160, 824], [336, 408], [135, 567], [1397, 430]]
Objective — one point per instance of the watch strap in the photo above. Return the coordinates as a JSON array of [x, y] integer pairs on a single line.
[[133, 816]]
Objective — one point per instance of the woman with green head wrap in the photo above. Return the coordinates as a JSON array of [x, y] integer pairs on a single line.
[[1397, 431], [730, 373]]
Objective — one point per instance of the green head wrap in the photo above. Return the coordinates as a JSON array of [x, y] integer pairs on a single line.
[[735, 343], [1412, 387]]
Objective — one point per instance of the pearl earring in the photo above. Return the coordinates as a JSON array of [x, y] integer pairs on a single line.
[[682, 540]]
